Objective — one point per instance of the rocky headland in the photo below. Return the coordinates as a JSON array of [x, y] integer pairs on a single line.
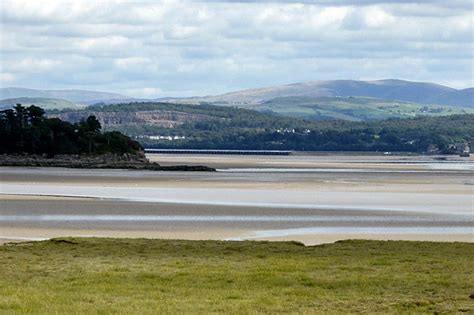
[[102, 161]]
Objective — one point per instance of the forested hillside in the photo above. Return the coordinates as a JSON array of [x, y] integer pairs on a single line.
[[235, 128]]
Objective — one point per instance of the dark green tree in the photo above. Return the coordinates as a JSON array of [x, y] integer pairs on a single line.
[[27, 130]]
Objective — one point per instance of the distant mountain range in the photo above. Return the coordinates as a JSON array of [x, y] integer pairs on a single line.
[[48, 103], [395, 90], [76, 96], [341, 99]]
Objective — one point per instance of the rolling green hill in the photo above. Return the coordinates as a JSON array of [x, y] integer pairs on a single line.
[[352, 108], [317, 100], [396, 90], [45, 103], [348, 100]]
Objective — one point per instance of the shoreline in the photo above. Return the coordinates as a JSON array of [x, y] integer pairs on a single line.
[[31, 235], [317, 162]]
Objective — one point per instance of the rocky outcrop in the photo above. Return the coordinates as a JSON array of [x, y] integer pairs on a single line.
[[104, 161]]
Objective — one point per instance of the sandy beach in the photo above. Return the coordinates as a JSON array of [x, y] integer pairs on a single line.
[[413, 201]]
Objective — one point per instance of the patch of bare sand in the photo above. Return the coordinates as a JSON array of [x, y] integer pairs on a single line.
[[315, 239], [12, 234], [36, 234]]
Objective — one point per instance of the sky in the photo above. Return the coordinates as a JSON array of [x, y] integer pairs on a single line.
[[184, 48]]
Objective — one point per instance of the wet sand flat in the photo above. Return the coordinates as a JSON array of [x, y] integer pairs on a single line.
[[321, 161], [457, 182], [43, 217], [335, 200], [321, 205]]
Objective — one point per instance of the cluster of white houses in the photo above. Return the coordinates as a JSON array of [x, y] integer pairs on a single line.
[[169, 138]]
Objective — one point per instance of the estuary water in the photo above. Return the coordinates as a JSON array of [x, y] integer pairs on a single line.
[[360, 198]]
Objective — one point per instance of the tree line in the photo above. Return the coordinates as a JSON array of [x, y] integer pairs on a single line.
[[28, 130]]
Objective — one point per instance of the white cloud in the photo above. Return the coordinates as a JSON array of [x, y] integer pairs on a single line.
[[182, 32], [32, 65], [162, 48], [6, 78], [131, 62], [101, 43], [377, 17]]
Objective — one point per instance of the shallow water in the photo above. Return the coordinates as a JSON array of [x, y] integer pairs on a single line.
[[260, 202], [433, 166], [226, 218], [274, 198]]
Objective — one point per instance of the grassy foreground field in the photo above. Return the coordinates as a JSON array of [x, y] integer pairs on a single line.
[[90, 275]]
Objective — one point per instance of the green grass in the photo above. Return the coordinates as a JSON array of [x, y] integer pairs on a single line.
[[88, 275]]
